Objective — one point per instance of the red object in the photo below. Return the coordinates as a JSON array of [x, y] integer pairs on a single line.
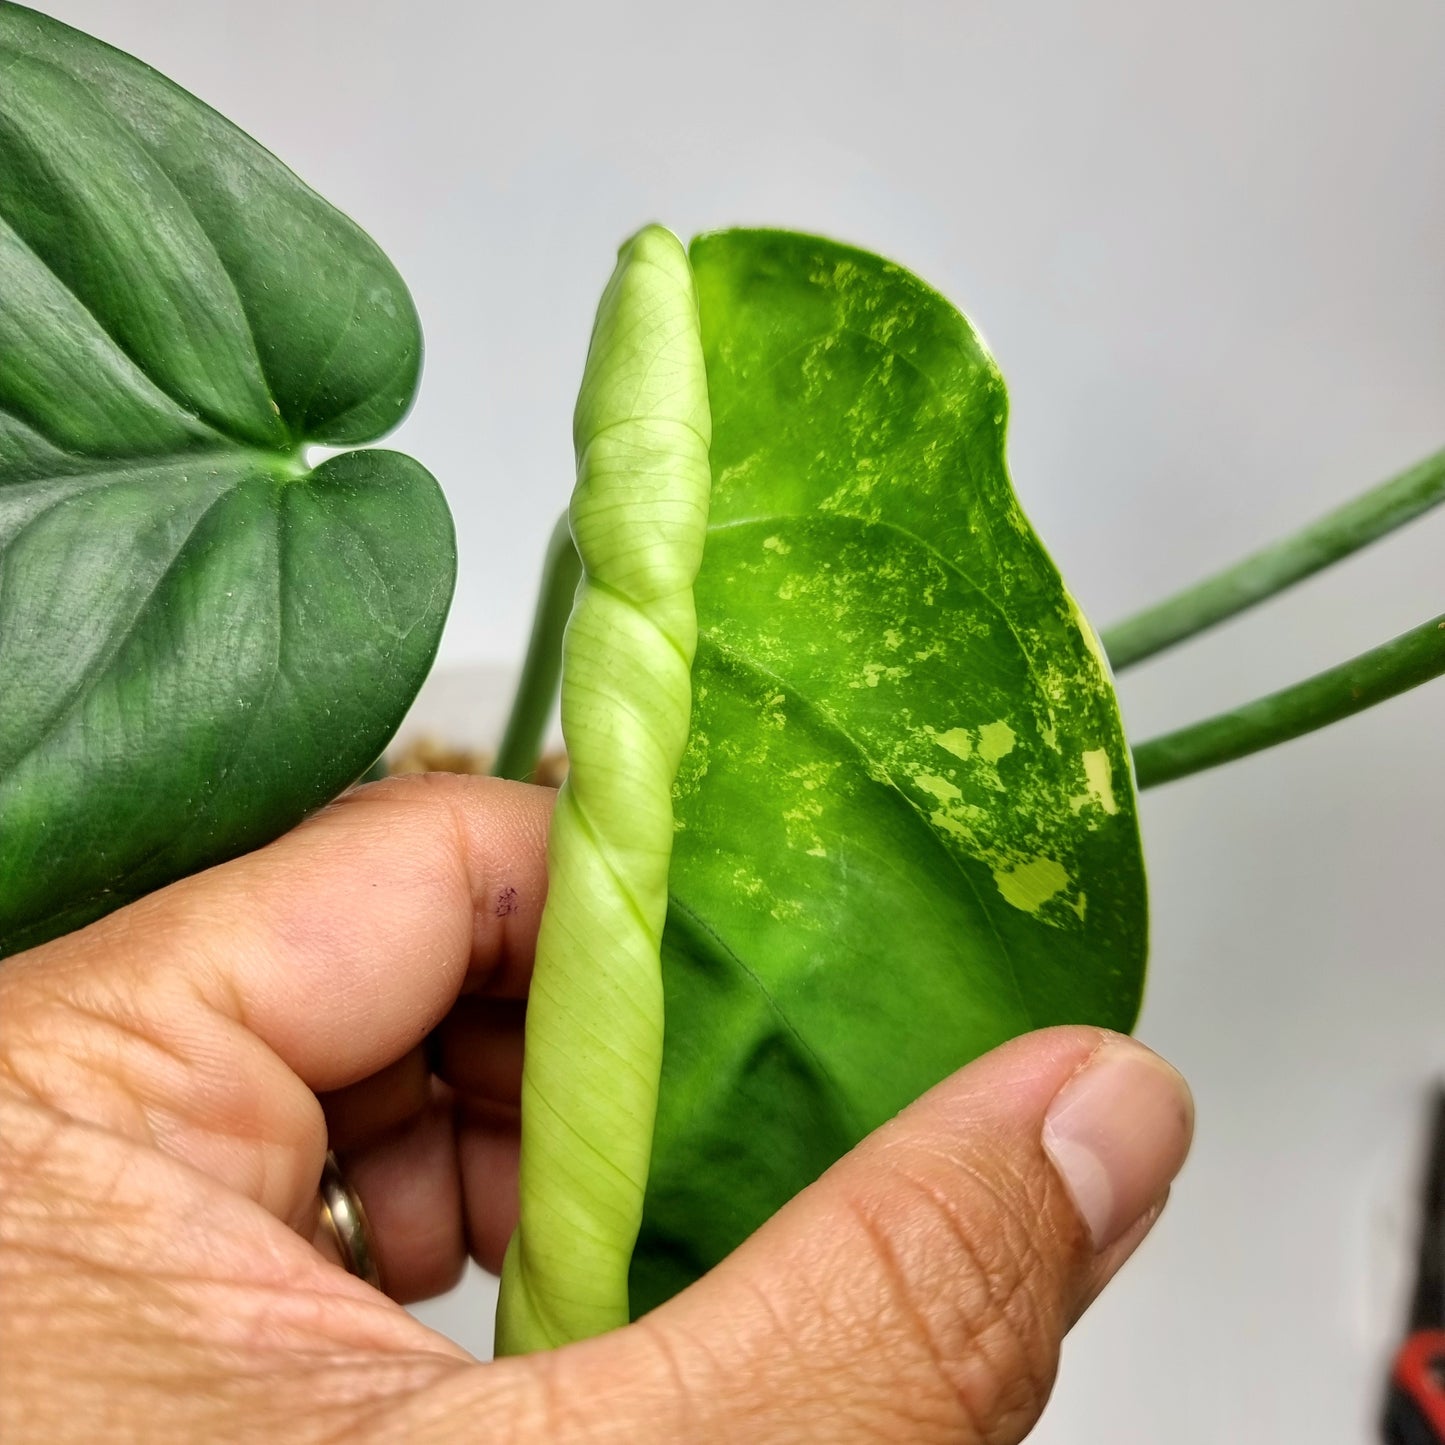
[[1415, 1403], [1420, 1374]]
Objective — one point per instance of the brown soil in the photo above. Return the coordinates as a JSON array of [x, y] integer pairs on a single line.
[[431, 755]]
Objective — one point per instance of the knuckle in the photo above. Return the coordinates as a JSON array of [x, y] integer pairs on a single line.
[[686, 1378], [970, 1286], [550, 1408], [101, 1040]]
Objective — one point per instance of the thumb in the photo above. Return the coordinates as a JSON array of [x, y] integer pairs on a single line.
[[920, 1289]]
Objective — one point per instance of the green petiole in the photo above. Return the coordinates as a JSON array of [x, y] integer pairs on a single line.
[[1407, 661], [1356, 524], [521, 744]]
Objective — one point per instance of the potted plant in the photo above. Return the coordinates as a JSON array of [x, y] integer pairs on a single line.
[[818, 657]]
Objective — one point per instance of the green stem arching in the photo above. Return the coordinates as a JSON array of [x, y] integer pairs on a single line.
[[1334, 536], [521, 744], [1383, 672], [593, 1056]]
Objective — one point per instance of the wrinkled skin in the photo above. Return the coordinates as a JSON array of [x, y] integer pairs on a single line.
[[168, 1081]]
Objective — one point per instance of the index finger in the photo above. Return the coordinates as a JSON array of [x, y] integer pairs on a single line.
[[344, 943], [205, 1018]]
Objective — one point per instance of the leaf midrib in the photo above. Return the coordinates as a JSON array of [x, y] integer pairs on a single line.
[[102, 471], [123, 124], [119, 637], [945, 562], [875, 770]]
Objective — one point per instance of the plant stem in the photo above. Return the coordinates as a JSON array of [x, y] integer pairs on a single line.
[[1410, 659], [1336, 535], [542, 671]]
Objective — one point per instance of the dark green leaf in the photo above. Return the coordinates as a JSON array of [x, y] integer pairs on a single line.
[[200, 638], [906, 822]]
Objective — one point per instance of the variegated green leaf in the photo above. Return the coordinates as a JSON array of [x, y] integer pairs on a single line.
[[906, 819]]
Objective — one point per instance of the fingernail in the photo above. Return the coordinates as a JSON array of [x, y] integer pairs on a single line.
[[1117, 1133]]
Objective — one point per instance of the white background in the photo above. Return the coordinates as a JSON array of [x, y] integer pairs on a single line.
[[1208, 245]]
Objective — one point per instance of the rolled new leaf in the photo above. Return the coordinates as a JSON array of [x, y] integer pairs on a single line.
[[595, 1014]]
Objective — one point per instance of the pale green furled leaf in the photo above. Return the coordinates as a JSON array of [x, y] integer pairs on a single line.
[[594, 1014], [200, 638], [906, 819]]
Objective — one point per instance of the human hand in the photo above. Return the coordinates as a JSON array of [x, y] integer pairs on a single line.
[[169, 1078]]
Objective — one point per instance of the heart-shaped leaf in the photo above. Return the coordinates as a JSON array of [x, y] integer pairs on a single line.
[[200, 637], [906, 823]]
